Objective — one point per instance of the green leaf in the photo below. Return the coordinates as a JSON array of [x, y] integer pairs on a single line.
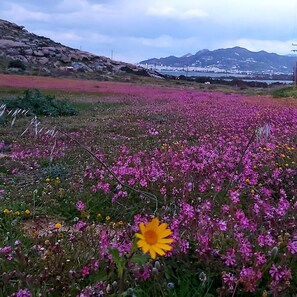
[[140, 258], [119, 260]]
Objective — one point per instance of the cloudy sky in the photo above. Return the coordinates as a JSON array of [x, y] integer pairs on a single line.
[[134, 30]]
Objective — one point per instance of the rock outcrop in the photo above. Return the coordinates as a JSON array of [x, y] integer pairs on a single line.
[[41, 55]]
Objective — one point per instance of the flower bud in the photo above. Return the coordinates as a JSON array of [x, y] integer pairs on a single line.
[[170, 286], [202, 277], [274, 251], [157, 265]]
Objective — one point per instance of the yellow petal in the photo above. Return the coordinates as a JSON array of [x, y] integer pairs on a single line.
[[153, 253], [158, 250], [145, 248], [142, 228], [153, 224], [165, 240], [138, 235], [165, 233], [141, 243], [163, 246], [162, 228]]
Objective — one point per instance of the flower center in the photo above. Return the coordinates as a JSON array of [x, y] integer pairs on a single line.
[[151, 237]]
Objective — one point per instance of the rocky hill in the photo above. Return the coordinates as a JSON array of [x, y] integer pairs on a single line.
[[235, 59], [22, 51]]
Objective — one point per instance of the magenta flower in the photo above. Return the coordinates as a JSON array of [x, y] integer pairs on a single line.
[[222, 225], [85, 271], [6, 250], [229, 258], [23, 293], [249, 278], [80, 206], [80, 225], [230, 280], [292, 247]]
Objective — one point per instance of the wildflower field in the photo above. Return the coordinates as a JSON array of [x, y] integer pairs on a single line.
[[148, 191]]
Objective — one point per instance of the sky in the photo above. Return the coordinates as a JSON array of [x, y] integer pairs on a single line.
[[135, 30]]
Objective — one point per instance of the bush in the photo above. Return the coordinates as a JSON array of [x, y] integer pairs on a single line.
[[41, 104], [17, 64], [285, 92]]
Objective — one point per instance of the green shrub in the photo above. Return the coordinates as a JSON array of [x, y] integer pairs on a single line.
[[17, 64], [42, 105], [285, 92]]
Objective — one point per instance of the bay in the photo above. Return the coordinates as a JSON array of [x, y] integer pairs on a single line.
[[221, 75]]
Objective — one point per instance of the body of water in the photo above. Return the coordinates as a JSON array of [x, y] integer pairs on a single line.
[[225, 76]]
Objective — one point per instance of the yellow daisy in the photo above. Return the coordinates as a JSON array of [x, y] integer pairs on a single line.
[[153, 239], [58, 226]]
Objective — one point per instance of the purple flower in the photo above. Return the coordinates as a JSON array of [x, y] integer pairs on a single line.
[[80, 225], [153, 132], [5, 250], [222, 225], [292, 247], [260, 259], [143, 273], [85, 271], [234, 196], [249, 278], [229, 258], [80, 206], [275, 272], [23, 293], [17, 242], [230, 280]]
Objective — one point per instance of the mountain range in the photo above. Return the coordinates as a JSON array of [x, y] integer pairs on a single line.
[[25, 52], [236, 59]]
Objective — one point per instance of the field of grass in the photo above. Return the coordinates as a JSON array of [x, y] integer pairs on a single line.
[[218, 170]]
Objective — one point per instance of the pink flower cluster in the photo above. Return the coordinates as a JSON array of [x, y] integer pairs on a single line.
[[227, 188]]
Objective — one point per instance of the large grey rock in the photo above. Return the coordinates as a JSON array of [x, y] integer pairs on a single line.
[[38, 53], [28, 52], [43, 60], [6, 43]]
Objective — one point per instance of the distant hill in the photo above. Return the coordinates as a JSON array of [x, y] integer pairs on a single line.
[[21, 51], [236, 59]]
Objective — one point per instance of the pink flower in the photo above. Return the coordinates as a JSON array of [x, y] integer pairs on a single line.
[[85, 271], [5, 250], [249, 278], [292, 247], [80, 206], [21, 293], [187, 210], [229, 258], [80, 225], [222, 225], [260, 259], [143, 273], [230, 280], [234, 196], [153, 132], [278, 273]]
